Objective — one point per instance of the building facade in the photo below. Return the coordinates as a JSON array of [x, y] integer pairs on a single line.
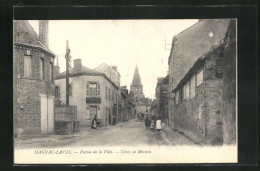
[[202, 80], [92, 92], [33, 79]]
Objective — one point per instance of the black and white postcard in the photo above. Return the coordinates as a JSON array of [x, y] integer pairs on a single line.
[[125, 91]]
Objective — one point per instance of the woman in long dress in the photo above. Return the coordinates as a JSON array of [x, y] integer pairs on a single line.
[[158, 124], [94, 122]]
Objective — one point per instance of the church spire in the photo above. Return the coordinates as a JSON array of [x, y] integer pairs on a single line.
[[136, 85], [136, 79]]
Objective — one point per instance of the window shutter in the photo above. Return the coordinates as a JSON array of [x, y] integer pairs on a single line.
[[98, 91], [87, 88], [70, 89]]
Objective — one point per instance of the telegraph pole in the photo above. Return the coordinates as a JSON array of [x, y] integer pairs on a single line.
[[67, 56]]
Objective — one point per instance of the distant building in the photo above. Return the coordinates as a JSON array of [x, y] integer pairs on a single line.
[[136, 86], [143, 106], [202, 80], [33, 79], [92, 91], [161, 95], [123, 107]]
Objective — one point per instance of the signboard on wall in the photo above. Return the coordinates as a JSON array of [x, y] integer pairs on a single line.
[[93, 100]]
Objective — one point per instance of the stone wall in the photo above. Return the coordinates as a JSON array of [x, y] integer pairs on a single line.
[[188, 116], [229, 89], [201, 117]]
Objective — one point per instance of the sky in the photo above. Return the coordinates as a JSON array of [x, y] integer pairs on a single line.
[[121, 43]]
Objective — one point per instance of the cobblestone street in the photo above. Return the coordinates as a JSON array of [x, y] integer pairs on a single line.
[[131, 133]]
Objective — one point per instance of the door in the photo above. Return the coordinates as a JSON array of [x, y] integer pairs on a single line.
[[93, 111], [47, 114], [44, 124], [50, 114]]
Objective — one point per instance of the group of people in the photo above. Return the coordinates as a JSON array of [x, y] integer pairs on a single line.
[[153, 123], [95, 120]]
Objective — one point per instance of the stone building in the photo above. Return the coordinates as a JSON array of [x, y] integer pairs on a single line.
[[33, 81], [92, 91], [202, 80]]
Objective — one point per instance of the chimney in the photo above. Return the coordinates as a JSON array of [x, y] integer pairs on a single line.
[[44, 32], [77, 65], [114, 68]]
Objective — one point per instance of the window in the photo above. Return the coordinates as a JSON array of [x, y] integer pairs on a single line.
[[27, 66], [183, 93], [192, 87], [187, 91], [57, 92], [70, 89], [200, 78], [109, 94], [177, 98], [28, 52], [93, 89], [113, 95], [41, 68], [106, 93], [51, 71]]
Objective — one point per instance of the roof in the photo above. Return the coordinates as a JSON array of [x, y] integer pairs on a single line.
[[136, 79], [189, 45], [84, 71], [25, 35], [197, 65]]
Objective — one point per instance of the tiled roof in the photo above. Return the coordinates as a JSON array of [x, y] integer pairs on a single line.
[[83, 70], [24, 34], [189, 45]]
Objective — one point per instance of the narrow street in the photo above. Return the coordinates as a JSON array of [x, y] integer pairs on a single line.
[[131, 133]]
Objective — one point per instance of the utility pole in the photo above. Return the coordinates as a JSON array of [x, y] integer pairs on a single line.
[[67, 56]]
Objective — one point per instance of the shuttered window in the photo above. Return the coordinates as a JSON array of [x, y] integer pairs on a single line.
[[41, 69], [27, 66], [57, 92], [98, 89], [51, 71], [93, 89], [200, 78], [177, 98], [109, 94], [187, 91], [70, 89], [192, 87]]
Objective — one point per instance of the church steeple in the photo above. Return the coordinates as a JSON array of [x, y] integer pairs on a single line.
[[136, 79], [136, 85]]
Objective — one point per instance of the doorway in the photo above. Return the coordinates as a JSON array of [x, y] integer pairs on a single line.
[[47, 114], [93, 111]]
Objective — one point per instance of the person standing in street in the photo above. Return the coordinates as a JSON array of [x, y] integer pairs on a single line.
[[159, 124], [94, 122], [147, 123], [114, 120]]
